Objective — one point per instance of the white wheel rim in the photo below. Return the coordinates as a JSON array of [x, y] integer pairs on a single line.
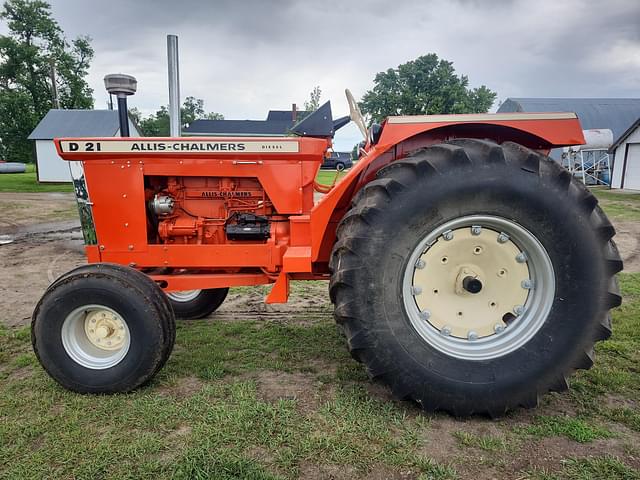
[[467, 325], [95, 336], [184, 296]]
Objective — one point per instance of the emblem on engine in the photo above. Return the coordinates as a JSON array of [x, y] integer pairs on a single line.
[[225, 194]]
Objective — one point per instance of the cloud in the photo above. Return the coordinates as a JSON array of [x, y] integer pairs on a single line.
[[245, 57]]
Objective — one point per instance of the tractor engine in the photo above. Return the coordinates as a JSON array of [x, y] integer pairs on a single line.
[[208, 210]]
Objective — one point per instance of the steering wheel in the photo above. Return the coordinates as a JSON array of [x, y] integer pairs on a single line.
[[356, 114]]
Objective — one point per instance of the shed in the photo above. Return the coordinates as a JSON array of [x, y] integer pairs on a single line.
[[70, 123], [626, 159]]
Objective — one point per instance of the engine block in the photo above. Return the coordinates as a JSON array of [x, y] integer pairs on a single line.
[[199, 210]]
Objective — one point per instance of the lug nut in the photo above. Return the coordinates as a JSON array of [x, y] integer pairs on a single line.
[[425, 314], [415, 290], [420, 264], [527, 284], [476, 230], [448, 235], [518, 309], [446, 330], [498, 328], [472, 335], [503, 238], [521, 257]]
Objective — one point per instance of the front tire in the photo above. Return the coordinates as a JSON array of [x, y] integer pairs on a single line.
[[102, 329], [516, 306], [194, 304]]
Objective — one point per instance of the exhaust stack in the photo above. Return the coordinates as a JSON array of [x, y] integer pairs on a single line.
[[174, 86], [121, 86]]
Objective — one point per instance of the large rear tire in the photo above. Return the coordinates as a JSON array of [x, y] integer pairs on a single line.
[[103, 329], [473, 277]]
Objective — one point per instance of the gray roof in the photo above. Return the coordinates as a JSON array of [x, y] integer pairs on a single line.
[[237, 127], [284, 115], [76, 123], [616, 114], [278, 122]]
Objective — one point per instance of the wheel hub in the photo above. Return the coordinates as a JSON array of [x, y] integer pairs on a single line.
[[105, 329], [471, 282], [95, 336]]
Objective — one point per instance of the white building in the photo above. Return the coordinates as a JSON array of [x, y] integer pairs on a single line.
[[70, 123], [626, 159]]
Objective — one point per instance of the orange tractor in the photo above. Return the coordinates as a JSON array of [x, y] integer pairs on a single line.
[[469, 272]]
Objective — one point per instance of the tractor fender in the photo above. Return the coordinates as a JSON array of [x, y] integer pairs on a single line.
[[402, 135]]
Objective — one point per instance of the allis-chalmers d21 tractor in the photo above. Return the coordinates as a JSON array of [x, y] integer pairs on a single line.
[[469, 272]]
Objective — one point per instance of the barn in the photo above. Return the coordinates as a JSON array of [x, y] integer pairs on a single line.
[[70, 123], [626, 159]]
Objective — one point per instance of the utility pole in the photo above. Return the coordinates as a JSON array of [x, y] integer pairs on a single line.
[[54, 86]]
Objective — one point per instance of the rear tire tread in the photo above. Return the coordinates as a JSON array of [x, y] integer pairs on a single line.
[[373, 198]]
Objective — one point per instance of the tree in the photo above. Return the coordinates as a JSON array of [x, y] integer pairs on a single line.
[[157, 125], [426, 85], [310, 105], [314, 99], [35, 44]]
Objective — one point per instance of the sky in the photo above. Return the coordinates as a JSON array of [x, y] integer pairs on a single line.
[[246, 57]]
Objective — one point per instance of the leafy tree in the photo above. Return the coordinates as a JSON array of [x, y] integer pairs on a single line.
[[157, 125], [310, 105], [426, 85], [314, 99], [34, 43]]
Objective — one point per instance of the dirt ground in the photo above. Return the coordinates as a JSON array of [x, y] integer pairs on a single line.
[[46, 242]]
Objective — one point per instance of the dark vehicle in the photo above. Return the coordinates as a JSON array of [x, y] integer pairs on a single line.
[[337, 161]]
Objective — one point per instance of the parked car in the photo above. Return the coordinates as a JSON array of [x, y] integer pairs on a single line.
[[337, 161]]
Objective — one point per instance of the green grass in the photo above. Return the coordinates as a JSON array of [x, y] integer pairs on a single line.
[[575, 429], [27, 182], [483, 442], [594, 468], [208, 413], [327, 177], [211, 429], [619, 205]]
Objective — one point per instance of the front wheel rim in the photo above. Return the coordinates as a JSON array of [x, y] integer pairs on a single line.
[[478, 287], [96, 337], [184, 295]]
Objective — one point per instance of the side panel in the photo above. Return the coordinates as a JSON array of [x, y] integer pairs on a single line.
[[116, 169]]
